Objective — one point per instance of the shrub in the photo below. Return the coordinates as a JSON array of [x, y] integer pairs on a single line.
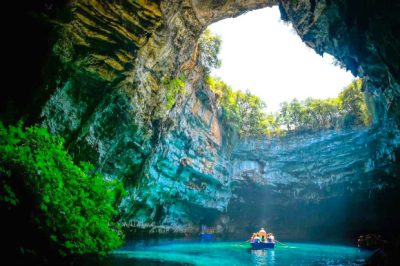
[[173, 87], [67, 206], [245, 113], [209, 47]]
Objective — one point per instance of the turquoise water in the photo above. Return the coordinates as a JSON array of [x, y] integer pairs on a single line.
[[233, 253]]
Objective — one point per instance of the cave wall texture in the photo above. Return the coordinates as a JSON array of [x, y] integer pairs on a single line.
[[96, 73]]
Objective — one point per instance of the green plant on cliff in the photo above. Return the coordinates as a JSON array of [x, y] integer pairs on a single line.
[[173, 87], [209, 47], [226, 101], [252, 115], [243, 112], [346, 110], [49, 202], [313, 114], [354, 105]]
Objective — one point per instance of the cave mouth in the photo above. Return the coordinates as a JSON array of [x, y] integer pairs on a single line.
[[263, 54], [334, 205], [261, 60]]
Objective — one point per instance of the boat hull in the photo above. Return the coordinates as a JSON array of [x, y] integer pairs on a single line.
[[206, 236], [262, 245]]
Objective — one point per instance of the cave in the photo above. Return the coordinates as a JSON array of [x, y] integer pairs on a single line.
[[95, 73]]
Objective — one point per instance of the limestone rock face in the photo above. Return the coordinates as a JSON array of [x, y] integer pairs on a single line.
[[316, 159], [363, 36], [104, 90], [110, 102], [318, 184], [185, 180]]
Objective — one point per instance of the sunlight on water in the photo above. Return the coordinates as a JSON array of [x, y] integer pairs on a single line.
[[237, 253]]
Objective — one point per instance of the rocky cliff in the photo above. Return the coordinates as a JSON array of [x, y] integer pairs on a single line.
[[320, 185], [103, 88]]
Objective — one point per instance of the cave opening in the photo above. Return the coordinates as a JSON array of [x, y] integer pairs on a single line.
[[317, 190], [263, 54]]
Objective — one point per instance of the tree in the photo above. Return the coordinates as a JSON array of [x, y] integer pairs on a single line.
[[209, 46], [245, 113], [293, 114], [242, 112], [49, 202], [285, 115], [348, 109], [354, 106]]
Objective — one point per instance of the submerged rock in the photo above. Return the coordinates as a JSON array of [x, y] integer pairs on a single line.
[[370, 241]]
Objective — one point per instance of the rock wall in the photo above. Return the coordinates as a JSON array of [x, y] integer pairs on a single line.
[[328, 185], [185, 181], [363, 36], [110, 104], [103, 89]]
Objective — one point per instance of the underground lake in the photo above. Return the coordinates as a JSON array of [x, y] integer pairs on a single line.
[[195, 252]]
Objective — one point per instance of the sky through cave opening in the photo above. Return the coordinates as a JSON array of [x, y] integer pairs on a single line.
[[264, 55]]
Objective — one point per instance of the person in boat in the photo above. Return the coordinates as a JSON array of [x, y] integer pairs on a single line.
[[257, 239], [263, 234], [252, 238], [271, 238]]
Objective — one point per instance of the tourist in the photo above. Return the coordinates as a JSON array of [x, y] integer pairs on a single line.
[[252, 238], [262, 233], [271, 238]]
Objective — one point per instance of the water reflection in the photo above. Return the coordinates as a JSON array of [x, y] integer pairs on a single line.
[[263, 257], [200, 253]]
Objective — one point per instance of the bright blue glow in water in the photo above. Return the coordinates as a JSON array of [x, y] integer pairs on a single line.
[[236, 253]]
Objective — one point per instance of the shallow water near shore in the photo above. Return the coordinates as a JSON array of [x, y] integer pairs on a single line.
[[189, 252]]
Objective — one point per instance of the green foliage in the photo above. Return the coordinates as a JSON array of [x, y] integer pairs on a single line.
[[250, 109], [354, 105], [312, 114], [348, 109], [173, 87], [227, 103], [245, 113], [209, 47], [72, 206], [242, 112]]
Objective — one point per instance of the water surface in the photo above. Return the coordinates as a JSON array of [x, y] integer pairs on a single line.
[[184, 252]]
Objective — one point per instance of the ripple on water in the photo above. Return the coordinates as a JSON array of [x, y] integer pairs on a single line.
[[233, 253]]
